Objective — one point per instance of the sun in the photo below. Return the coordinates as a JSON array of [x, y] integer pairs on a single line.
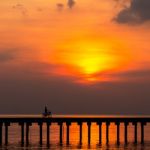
[[86, 59], [93, 62]]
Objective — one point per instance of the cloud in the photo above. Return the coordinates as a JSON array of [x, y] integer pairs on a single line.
[[140, 75], [60, 6], [63, 97], [6, 56], [137, 12], [39, 9], [34, 83], [21, 8], [71, 3]]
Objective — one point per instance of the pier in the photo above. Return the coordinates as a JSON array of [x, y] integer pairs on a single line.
[[26, 122]]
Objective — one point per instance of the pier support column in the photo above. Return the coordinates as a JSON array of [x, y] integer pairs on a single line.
[[68, 124], [48, 133], [135, 132], [40, 132], [107, 132], [118, 132], [142, 132], [89, 132], [126, 132], [22, 133], [100, 131], [60, 132], [80, 132], [27, 132], [6, 132], [1, 132]]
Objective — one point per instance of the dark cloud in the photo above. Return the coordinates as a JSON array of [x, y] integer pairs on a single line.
[[136, 75], [60, 6], [21, 8], [6, 56], [138, 12], [71, 3], [39, 9], [21, 91], [62, 97]]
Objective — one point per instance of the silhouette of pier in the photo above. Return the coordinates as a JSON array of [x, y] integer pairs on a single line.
[[26, 122]]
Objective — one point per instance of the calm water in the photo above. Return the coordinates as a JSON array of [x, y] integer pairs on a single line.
[[14, 137]]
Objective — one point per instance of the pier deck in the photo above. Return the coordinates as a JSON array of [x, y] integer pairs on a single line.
[[26, 121]]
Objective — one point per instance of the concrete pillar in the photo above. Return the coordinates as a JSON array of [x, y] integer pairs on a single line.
[[22, 132], [27, 132], [142, 132], [107, 132], [40, 132], [135, 132], [48, 133], [80, 132], [100, 131], [60, 132], [89, 132], [126, 132], [6, 133], [1, 132], [68, 124], [118, 132]]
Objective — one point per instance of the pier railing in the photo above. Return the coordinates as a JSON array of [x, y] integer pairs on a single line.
[[26, 122]]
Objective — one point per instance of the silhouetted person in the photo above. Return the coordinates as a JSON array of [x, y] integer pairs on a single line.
[[71, 3], [47, 113]]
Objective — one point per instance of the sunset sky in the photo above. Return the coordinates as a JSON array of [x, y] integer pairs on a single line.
[[76, 57]]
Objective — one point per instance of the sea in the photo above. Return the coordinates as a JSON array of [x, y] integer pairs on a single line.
[[14, 137]]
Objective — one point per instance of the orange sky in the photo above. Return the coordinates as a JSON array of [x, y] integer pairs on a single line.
[[75, 56], [83, 42]]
